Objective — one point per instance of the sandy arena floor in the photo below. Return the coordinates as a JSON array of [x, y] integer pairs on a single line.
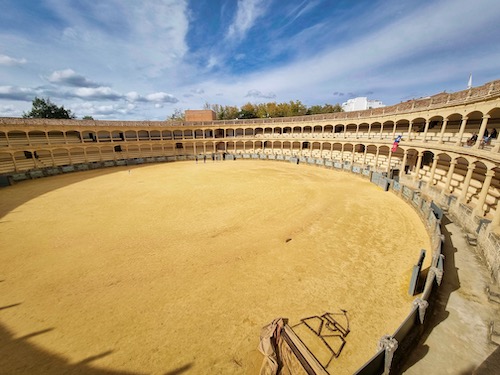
[[174, 268]]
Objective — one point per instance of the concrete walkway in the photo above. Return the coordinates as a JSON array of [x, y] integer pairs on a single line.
[[456, 340]]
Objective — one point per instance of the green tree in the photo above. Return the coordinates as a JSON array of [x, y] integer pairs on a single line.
[[248, 111], [44, 108], [315, 110], [296, 108], [328, 108], [178, 115], [87, 118], [230, 112]]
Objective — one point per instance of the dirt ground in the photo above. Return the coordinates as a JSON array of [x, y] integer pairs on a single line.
[[174, 268]]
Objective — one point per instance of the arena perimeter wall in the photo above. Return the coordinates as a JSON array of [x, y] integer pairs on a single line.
[[391, 349]]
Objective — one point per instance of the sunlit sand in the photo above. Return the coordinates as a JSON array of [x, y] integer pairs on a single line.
[[177, 266]]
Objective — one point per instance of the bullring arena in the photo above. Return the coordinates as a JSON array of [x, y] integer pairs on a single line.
[[137, 255]]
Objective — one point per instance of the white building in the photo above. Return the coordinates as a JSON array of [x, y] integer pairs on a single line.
[[361, 103]]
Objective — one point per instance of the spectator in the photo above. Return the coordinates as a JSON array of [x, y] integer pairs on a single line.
[[494, 134], [487, 138], [472, 139]]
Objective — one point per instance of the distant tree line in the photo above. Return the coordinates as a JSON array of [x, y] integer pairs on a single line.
[[272, 109]]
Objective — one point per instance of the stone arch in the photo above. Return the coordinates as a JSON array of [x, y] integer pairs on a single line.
[[166, 135], [178, 134], [93, 154], [57, 137], [77, 155], [61, 157], [103, 136], [318, 129], [43, 158], [107, 153], [6, 162], [143, 135], [155, 135], [37, 137], [240, 146], [198, 133]]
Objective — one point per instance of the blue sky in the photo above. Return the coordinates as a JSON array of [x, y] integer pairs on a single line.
[[142, 60]]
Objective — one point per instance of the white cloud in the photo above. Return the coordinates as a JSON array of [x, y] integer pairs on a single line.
[[69, 77], [133, 96], [98, 93], [259, 94], [161, 97], [246, 15], [212, 62], [401, 53], [155, 97], [10, 61], [8, 111], [148, 36], [303, 8], [17, 93]]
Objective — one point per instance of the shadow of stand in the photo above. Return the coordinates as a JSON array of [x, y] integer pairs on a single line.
[[490, 365], [437, 307]]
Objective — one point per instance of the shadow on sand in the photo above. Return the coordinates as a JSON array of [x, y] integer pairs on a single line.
[[44, 185], [19, 356], [449, 284]]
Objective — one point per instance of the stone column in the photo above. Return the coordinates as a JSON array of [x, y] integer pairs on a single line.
[[364, 156], [461, 131], [409, 130], [426, 129], [403, 163], [381, 130], [394, 131], [484, 192], [443, 129], [417, 167], [449, 176], [465, 186], [481, 131], [376, 159], [433, 170], [357, 131], [389, 162]]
